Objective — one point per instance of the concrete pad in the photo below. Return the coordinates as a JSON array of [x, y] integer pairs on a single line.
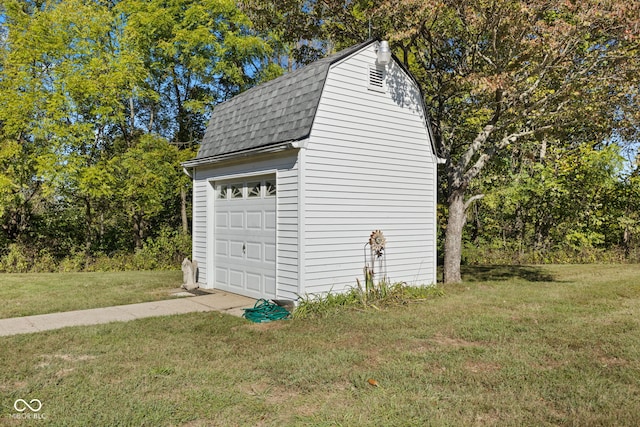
[[182, 294], [217, 301], [224, 301]]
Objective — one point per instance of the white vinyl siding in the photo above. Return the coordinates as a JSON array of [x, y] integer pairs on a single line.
[[285, 168], [369, 165], [199, 228]]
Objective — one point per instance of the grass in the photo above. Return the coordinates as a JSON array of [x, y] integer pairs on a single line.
[[42, 293], [556, 345]]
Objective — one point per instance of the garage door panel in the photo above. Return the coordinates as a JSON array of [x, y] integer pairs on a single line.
[[222, 276], [222, 220], [270, 285], [235, 249], [254, 251], [270, 220], [254, 282], [254, 220], [270, 252], [236, 278], [222, 247], [236, 220]]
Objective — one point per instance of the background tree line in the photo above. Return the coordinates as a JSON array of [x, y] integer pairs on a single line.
[[534, 107]]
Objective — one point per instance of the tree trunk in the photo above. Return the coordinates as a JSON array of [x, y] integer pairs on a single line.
[[453, 237], [137, 230], [183, 211], [132, 115], [88, 222]]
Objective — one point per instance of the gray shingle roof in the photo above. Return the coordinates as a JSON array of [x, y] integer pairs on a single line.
[[277, 111]]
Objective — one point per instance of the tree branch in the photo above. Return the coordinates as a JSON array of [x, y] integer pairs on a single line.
[[480, 139], [473, 171], [471, 200]]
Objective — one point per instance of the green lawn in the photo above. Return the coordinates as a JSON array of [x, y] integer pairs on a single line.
[[512, 346], [41, 293]]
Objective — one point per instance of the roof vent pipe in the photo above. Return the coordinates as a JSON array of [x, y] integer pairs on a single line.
[[384, 53]]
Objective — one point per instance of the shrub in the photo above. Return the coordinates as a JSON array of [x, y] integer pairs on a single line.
[[16, 260], [74, 262], [44, 263], [514, 255], [165, 252]]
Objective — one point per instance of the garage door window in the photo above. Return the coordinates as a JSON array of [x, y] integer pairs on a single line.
[[270, 188], [236, 191], [253, 189], [246, 190], [221, 192]]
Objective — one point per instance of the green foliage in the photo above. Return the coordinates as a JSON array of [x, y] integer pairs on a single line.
[[167, 250], [570, 206], [164, 252], [101, 101], [75, 262], [15, 260], [518, 254], [99, 104]]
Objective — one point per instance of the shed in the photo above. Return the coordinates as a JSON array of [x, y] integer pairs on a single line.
[[293, 175]]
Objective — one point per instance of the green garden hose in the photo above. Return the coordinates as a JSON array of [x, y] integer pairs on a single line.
[[265, 311]]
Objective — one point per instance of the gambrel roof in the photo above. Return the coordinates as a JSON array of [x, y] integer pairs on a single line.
[[281, 110]]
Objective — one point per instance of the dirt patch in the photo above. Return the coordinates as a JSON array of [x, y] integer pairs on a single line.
[[267, 326], [48, 359], [612, 361], [444, 341], [17, 385], [278, 395], [255, 388], [481, 367], [64, 372], [197, 423], [551, 364]]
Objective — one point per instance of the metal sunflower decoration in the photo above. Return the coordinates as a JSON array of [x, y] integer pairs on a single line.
[[377, 242]]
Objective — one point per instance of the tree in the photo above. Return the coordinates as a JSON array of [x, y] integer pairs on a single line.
[[144, 181], [84, 84], [64, 80], [197, 53], [566, 202], [503, 73], [295, 34]]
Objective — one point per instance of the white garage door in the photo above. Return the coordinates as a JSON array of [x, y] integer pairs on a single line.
[[245, 237]]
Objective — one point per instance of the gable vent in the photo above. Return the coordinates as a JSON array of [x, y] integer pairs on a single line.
[[376, 78]]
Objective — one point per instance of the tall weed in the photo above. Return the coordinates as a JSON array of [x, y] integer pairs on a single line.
[[370, 296]]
